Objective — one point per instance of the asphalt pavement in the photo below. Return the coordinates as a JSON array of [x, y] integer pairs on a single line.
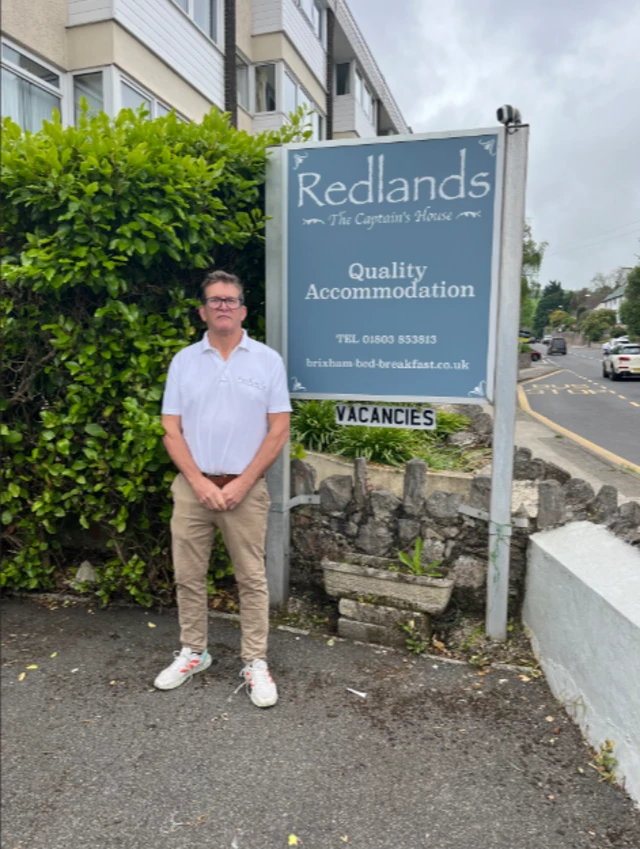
[[579, 398], [424, 753]]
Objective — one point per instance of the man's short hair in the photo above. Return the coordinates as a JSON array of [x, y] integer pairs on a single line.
[[220, 277]]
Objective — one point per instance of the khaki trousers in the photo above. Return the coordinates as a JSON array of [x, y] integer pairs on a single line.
[[243, 530]]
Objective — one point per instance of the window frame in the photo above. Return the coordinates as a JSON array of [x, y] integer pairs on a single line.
[[106, 87], [217, 18], [319, 29], [143, 92], [60, 92], [302, 95], [277, 89], [243, 62]]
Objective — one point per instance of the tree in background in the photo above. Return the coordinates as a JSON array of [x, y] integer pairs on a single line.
[[559, 319], [553, 298], [596, 323], [630, 308], [532, 255]]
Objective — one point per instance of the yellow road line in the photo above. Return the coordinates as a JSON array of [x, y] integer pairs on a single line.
[[543, 377], [633, 404], [590, 446], [624, 397]]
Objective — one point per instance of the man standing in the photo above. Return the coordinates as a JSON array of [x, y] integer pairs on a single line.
[[226, 418]]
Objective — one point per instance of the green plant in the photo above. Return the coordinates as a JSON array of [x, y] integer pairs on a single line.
[[415, 565], [388, 446], [107, 230], [313, 424], [414, 643], [605, 762]]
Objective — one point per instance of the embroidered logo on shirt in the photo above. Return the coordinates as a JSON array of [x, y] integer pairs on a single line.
[[249, 381]]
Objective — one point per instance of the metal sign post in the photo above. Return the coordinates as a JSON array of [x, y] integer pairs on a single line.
[[513, 211]]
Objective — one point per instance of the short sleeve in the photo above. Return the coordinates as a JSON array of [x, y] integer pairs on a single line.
[[171, 402], [279, 401]]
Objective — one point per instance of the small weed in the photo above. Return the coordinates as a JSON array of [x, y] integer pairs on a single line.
[[605, 763], [415, 565], [479, 660], [473, 638], [414, 642]]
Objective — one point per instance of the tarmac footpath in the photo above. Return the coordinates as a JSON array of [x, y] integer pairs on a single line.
[[424, 754]]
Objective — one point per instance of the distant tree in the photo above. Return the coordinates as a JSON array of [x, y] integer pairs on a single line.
[[553, 298], [532, 254], [595, 323], [559, 319], [630, 308]]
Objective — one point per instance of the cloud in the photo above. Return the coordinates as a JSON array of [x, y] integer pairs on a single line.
[[573, 71]]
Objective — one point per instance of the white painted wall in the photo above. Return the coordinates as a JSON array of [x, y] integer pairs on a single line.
[[164, 29], [268, 121], [267, 16], [582, 607], [300, 33], [285, 16], [89, 11], [349, 116]]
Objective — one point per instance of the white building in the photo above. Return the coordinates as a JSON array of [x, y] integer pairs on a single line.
[[258, 59]]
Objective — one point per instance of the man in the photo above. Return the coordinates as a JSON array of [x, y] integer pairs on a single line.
[[226, 418]]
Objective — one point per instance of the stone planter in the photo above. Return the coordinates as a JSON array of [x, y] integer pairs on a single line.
[[361, 575]]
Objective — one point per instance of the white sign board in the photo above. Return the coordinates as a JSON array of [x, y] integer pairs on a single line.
[[376, 415]]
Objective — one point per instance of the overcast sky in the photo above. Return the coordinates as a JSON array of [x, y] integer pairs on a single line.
[[572, 67]]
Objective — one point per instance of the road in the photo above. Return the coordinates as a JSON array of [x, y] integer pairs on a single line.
[[580, 399]]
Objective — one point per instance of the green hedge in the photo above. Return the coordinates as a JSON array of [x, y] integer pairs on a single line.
[[107, 232]]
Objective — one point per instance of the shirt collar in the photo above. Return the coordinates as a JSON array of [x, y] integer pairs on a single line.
[[246, 342]]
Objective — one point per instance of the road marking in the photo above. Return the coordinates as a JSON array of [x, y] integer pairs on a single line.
[[624, 397], [633, 404], [590, 446]]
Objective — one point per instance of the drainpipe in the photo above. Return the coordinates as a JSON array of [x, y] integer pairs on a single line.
[[331, 26], [230, 79]]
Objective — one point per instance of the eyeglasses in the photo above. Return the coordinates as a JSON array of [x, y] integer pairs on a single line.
[[218, 303]]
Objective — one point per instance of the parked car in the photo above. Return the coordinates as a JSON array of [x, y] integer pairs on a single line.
[[622, 361], [557, 345], [619, 340]]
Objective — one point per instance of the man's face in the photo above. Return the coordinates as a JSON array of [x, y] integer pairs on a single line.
[[220, 318]]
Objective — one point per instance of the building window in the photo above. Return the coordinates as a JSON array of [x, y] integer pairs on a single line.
[[343, 78], [204, 14], [295, 97], [266, 88], [132, 98], [314, 13], [89, 86], [30, 91], [242, 83], [365, 98]]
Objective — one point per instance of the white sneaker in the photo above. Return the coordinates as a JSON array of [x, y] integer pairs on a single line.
[[186, 664], [262, 691]]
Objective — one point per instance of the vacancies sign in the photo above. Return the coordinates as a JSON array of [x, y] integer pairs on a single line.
[[376, 415], [391, 266]]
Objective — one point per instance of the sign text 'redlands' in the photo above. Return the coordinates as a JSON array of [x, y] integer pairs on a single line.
[[378, 187]]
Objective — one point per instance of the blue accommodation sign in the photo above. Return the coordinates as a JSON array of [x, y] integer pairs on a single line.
[[391, 266]]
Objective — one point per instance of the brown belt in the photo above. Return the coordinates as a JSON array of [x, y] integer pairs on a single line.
[[220, 480]]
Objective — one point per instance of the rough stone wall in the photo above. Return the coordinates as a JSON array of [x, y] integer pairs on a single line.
[[352, 516]]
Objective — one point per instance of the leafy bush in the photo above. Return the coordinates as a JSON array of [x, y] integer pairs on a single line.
[[313, 423], [108, 229], [388, 446]]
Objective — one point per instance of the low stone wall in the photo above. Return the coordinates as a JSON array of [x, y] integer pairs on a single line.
[[326, 465], [356, 516], [582, 609]]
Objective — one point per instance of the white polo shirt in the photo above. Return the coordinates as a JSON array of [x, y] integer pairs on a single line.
[[224, 404]]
